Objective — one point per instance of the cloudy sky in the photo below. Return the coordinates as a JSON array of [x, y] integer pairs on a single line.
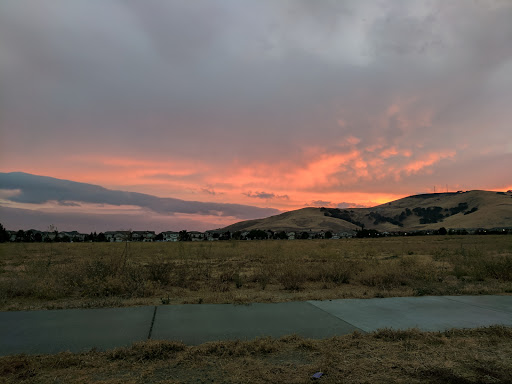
[[264, 104]]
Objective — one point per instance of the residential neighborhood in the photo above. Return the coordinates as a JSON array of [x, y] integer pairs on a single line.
[[34, 235]]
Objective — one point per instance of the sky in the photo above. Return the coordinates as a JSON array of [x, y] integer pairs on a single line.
[[267, 105]]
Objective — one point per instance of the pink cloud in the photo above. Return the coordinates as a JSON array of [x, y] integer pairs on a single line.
[[389, 152], [428, 160]]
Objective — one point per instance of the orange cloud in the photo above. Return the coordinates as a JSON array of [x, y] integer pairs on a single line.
[[394, 152], [318, 171], [389, 152], [316, 174], [428, 160]]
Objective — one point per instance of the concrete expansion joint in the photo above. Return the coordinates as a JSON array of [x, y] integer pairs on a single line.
[[486, 307], [312, 303], [152, 322]]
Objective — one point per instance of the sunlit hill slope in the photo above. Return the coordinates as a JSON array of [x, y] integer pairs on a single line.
[[456, 210]]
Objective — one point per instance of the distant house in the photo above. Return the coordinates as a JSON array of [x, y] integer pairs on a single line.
[[212, 236], [63, 236], [146, 236], [196, 236], [149, 236], [110, 235], [50, 235], [137, 235], [343, 235], [170, 236], [318, 235], [73, 235], [118, 236]]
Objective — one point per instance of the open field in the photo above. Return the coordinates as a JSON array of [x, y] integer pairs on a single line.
[[72, 275], [458, 356]]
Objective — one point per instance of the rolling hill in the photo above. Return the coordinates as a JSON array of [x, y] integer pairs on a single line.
[[457, 210]]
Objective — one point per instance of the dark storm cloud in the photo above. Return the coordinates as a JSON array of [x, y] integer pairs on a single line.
[[40, 189]]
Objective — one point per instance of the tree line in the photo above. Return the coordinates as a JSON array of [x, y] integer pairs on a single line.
[[254, 234]]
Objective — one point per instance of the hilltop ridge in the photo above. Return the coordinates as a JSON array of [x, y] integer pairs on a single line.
[[457, 210]]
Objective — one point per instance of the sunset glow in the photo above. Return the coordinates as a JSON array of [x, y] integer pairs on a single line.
[[265, 105]]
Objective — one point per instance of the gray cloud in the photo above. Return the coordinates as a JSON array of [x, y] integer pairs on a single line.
[[209, 191], [350, 205], [260, 195], [68, 204], [265, 195], [15, 219], [252, 80], [40, 189], [321, 203]]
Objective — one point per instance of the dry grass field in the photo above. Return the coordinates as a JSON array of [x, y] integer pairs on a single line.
[[67, 275], [457, 356], [85, 275]]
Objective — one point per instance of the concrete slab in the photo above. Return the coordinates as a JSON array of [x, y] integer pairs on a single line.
[[75, 330], [196, 324], [427, 313], [498, 303], [79, 330]]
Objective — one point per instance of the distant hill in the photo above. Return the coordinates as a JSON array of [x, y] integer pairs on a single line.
[[457, 210]]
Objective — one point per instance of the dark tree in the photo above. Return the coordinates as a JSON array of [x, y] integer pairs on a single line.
[[159, 237], [184, 236], [101, 237], [20, 235], [225, 236], [367, 233], [328, 235], [281, 235], [257, 234], [28, 237], [4, 235], [442, 231]]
